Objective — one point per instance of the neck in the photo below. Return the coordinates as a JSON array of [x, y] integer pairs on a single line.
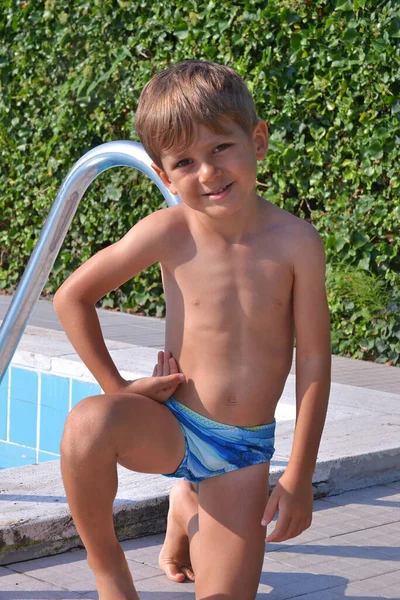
[[234, 228]]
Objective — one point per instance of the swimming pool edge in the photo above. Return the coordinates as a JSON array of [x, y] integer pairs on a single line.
[[142, 503]]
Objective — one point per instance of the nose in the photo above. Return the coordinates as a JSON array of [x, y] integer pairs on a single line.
[[208, 171]]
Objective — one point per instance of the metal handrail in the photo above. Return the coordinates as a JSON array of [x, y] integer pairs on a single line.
[[85, 170]]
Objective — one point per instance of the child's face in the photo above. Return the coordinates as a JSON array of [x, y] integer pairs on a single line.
[[218, 171]]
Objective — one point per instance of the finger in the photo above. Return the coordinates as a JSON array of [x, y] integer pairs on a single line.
[[171, 380], [278, 534], [154, 371], [302, 526], [291, 532], [270, 511], [160, 363], [173, 366], [167, 356]]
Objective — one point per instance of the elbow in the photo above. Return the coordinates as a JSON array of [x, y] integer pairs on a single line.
[[60, 301], [69, 297], [65, 297]]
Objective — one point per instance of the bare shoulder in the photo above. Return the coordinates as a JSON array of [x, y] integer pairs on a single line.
[[167, 226], [300, 238], [165, 217], [161, 228], [290, 223], [174, 217]]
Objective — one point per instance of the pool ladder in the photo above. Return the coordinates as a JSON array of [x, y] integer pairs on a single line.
[[85, 170]]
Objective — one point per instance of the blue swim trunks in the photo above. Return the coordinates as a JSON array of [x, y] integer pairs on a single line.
[[214, 448]]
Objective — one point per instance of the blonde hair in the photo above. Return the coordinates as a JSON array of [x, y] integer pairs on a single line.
[[189, 94]]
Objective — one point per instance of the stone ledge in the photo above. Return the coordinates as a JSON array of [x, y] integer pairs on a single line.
[[42, 524], [360, 447]]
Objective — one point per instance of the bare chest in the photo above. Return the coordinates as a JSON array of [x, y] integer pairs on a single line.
[[216, 287]]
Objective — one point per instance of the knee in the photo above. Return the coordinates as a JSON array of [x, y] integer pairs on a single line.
[[82, 426], [95, 423]]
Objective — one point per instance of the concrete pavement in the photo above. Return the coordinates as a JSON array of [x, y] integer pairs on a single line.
[[352, 550]]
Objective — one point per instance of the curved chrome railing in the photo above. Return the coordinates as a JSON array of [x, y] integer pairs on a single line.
[[94, 162]]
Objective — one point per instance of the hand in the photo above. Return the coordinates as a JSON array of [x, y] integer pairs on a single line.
[[162, 384], [294, 500]]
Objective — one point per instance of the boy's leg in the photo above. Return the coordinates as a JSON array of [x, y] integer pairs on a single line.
[[177, 556], [101, 431], [229, 552]]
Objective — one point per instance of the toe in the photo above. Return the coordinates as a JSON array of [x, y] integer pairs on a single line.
[[174, 573], [188, 573]]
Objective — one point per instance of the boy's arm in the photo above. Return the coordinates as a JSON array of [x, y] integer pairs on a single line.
[[313, 355], [145, 244], [293, 493]]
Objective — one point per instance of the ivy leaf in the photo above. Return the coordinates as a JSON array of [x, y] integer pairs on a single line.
[[340, 242], [395, 108], [375, 150], [350, 34], [345, 5], [326, 81], [364, 263], [182, 31]]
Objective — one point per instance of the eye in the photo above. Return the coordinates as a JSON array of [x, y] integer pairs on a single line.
[[221, 147], [182, 163]]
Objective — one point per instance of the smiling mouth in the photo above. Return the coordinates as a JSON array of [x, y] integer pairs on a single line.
[[220, 191]]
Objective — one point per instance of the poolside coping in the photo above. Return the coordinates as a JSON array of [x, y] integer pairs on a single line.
[[360, 447]]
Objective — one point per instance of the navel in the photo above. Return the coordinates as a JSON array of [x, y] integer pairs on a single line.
[[231, 400]]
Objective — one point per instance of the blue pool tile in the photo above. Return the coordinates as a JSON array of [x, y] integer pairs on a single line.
[[54, 406], [54, 391], [12, 455], [82, 389], [23, 406], [45, 457], [3, 405]]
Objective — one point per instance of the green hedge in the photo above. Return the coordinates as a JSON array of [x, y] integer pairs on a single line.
[[325, 76]]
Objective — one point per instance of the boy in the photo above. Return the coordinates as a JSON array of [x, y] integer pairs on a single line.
[[240, 277]]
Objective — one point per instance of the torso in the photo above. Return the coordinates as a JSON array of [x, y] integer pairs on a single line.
[[230, 318]]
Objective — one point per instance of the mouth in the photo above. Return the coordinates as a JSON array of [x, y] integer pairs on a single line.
[[218, 194]]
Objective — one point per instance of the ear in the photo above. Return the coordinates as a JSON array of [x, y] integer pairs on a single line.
[[164, 178], [260, 137]]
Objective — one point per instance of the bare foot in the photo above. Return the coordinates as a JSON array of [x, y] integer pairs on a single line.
[[174, 557], [116, 587], [115, 583]]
